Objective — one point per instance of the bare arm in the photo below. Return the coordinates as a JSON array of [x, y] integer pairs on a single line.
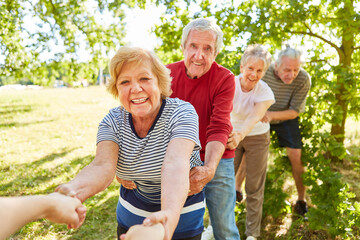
[[213, 153], [95, 177], [15, 212], [175, 172], [256, 115], [280, 115]]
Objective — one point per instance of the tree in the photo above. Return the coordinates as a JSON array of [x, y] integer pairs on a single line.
[[61, 24], [328, 31]]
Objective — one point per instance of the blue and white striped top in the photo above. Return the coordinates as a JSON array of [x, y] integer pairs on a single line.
[[140, 160]]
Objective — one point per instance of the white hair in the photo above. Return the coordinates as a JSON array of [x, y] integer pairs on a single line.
[[202, 25], [288, 52]]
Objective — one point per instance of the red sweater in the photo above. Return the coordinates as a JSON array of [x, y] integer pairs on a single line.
[[212, 97]]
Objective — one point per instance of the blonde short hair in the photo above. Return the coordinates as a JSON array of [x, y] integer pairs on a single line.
[[137, 55], [258, 52]]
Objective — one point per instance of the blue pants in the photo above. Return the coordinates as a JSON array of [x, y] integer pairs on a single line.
[[220, 200]]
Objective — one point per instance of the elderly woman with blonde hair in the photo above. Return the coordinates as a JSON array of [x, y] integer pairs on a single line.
[[250, 136], [150, 142]]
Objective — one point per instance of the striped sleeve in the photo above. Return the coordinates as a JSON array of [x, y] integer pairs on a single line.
[[185, 124], [298, 99], [107, 130]]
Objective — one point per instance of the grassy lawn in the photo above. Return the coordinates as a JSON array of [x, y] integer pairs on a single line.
[[48, 135]]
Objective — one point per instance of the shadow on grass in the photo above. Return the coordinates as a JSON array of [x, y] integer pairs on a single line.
[[37, 163], [11, 110], [101, 220], [17, 124], [27, 177]]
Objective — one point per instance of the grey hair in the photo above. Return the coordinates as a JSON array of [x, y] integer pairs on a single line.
[[202, 25], [288, 52], [258, 52]]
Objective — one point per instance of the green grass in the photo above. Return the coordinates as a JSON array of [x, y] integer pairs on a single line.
[[48, 135]]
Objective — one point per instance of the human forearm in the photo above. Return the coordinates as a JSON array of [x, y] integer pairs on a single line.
[[237, 136], [91, 180], [173, 198], [255, 116], [213, 153], [283, 115], [15, 212], [29, 207], [248, 125], [175, 172], [95, 177]]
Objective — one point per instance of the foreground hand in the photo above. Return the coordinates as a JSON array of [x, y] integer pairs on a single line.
[[66, 189], [141, 232], [68, 210], [234, 139], [167, 219], [199, 177], [126, 183]]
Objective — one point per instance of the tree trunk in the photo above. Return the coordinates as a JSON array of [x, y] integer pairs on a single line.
[[338, 130], [345, 53]]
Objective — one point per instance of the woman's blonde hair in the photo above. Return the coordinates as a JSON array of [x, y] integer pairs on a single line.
[[256, 51], [137, 55]]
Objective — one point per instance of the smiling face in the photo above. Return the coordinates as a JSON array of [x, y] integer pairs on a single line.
[[199, 52], [139, 91], [253, 70], [288, 70]]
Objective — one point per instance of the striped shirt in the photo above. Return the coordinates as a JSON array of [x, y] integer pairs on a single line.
[[140, 160], [288, 96]]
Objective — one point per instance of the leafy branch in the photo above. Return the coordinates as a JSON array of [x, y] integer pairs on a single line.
[[312, 34]]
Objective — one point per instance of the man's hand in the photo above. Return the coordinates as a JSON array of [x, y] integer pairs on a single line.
[[267, 117], [199, 177], [234, 139], [126, 183]]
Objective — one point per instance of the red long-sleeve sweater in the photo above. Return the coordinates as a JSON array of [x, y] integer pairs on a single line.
[[211, 95]]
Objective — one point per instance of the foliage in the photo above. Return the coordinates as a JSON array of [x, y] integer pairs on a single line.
[[71, 29], [275, 203], [323, 25], [328, 32]]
